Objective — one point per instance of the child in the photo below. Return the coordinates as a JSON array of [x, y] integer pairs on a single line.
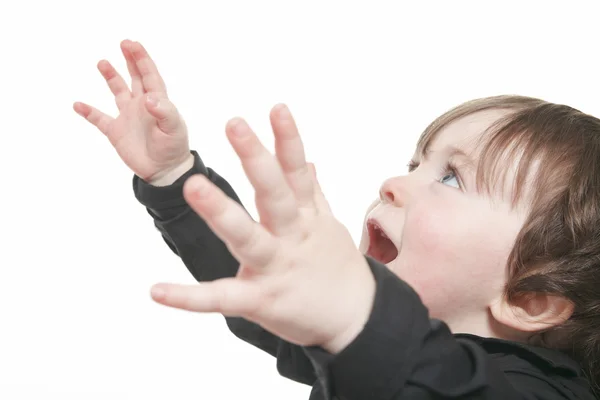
[[491, 244]]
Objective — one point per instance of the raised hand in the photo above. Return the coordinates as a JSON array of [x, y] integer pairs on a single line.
[[301, 276], [149, 134]]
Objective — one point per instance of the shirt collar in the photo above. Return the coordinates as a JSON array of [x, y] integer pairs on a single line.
[[552, 358]]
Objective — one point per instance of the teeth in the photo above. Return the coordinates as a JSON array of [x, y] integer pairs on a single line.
[[380, 231]]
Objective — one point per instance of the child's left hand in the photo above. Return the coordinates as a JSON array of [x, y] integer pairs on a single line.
[[301, 276]]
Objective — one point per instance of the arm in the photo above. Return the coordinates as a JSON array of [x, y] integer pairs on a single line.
[[402, 354], [150, 136], [305, 281], [208, 258]]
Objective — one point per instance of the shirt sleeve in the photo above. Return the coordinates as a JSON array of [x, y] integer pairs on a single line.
[[403, 354], [185, 232], [208, 258]]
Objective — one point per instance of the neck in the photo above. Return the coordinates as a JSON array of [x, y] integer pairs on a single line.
[[484, 325]]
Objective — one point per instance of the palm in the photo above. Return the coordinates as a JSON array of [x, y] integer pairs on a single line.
[[147, 143], [292, 260], [138, 140]]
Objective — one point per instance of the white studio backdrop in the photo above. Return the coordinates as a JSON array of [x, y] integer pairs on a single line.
[[363, 79]]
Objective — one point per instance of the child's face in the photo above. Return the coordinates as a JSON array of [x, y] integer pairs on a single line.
[[450, 243]]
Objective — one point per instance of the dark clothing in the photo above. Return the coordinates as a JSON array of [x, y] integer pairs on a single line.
[[400, 354]]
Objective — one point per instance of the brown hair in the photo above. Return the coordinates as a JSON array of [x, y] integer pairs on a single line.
[[557, 251]]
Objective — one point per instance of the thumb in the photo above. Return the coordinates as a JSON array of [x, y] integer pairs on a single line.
[[164, 112], [229, 296]]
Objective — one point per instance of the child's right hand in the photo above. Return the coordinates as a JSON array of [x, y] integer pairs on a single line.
[[149, 134]]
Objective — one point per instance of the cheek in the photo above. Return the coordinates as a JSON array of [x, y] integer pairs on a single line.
[[455, 235], [428, 232], [449, 258]]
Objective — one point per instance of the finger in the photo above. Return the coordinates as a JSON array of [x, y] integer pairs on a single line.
[[275, 200], [115, 82], [230, 296], [94, 116], [321, 203], [137, 87], [247, 240], [290, 153], [151, 79], [165, 113]]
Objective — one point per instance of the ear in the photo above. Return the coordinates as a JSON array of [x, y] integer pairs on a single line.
[[534, 312]]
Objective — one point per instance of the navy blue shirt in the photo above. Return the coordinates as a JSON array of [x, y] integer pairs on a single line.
[[400, 354]]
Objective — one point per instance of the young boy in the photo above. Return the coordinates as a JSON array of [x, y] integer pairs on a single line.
[[490, 246]]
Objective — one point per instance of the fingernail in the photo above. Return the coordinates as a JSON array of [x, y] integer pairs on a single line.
[[237, 126], [135, 51], [157, 293], [283, 110], [153, 101]]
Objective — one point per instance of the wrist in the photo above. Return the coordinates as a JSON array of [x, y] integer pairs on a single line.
[[362, 312], [169, 176]]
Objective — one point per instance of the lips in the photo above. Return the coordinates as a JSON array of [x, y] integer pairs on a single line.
[[381, 248]]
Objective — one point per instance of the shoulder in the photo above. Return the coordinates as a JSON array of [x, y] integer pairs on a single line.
[[543, 372]]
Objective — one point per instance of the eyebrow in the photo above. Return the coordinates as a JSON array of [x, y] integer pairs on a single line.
[[454, 152]]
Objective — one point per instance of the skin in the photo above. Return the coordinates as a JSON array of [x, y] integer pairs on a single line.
[[296, 225], [453, 241], [450, 238]]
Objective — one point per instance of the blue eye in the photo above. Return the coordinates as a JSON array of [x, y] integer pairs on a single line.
[[450, 179]]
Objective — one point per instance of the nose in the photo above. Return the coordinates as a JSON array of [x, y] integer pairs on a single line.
[[394, 191]]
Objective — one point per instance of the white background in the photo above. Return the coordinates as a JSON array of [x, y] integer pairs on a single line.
[[363, 79]]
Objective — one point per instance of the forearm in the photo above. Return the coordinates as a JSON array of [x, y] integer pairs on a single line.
[[207, 258], [204, 254]]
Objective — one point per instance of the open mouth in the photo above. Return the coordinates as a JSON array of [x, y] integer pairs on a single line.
[[381, 247]]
